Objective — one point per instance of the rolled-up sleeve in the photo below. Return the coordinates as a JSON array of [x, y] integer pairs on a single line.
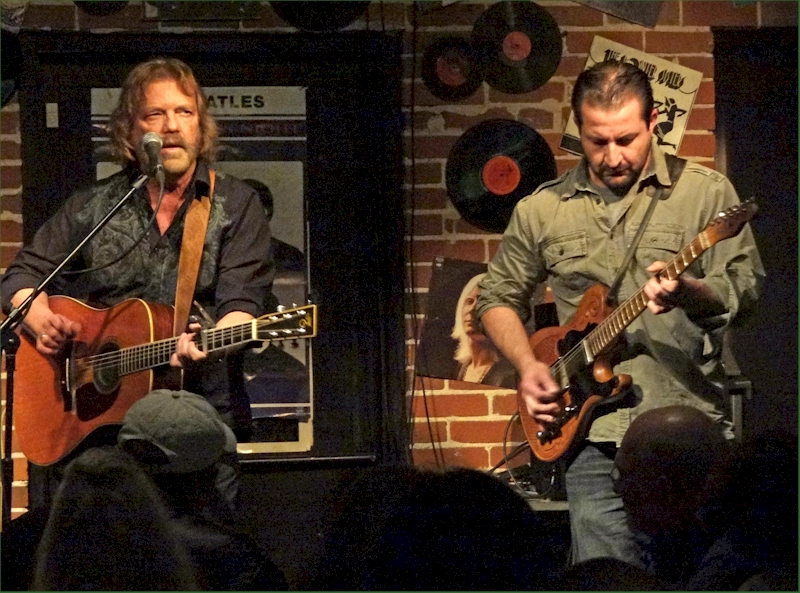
[[515, 270], [732, 267]]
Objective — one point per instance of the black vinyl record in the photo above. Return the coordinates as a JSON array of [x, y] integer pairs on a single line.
[[492, 166], [520, 46], [319, 16], [451, 68]]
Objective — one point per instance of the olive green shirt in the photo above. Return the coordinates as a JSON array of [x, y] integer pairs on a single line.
[[567, 234]]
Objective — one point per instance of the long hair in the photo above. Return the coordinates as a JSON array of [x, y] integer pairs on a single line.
[[608, 84], [109, 530], [463, 353], [121, 121]]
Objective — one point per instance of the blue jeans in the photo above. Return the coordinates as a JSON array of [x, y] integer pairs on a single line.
[[598, 523]]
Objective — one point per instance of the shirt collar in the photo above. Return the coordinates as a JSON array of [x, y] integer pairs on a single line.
[[202, 179], [656, 173]]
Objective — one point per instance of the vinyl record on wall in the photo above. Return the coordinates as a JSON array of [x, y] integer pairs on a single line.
[[451, 68], [319, 16], [492, 166], [520, 46]]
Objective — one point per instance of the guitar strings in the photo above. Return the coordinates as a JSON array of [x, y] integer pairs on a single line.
[[161, 347], [600, 334]]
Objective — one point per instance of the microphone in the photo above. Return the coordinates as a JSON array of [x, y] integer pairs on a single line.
[[152, 143]]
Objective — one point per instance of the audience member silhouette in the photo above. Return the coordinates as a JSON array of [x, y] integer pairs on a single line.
[[668, 466], [109, 530], [180, 438], [712, 516], [761, 519], [403, 528]]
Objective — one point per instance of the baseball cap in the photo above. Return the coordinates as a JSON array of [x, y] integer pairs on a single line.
[[182, 425]]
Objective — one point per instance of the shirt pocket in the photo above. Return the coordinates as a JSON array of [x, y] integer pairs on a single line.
[[565, 258], [659, 242]]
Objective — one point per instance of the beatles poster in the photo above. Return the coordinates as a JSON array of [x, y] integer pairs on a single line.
[[262, 140], [674, 90]]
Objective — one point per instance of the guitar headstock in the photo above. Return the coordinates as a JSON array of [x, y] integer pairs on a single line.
[[288, 324], [729, 223]]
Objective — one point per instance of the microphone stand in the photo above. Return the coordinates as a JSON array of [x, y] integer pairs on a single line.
[[10, 343]]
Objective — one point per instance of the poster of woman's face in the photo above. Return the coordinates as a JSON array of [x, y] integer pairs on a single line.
[[453, 344]]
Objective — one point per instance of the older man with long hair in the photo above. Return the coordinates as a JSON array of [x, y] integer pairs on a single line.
[[136, 254]]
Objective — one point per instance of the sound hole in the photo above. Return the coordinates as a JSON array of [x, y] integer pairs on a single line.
[[97, 397]]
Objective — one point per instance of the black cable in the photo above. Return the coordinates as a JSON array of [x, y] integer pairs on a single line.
[[438, 455], [517, 450]]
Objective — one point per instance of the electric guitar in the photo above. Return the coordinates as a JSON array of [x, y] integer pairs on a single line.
[[121, 354], [581, 354]]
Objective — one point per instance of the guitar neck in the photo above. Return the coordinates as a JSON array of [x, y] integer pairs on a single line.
[[607, 331], [283, 325], [155, 354]]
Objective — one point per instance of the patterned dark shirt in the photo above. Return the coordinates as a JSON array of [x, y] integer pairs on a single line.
[[235, 274]]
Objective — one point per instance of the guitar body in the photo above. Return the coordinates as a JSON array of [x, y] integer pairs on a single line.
[[57, 403], [596, 384]]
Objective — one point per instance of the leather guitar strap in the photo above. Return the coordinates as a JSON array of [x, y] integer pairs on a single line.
[[675, 166], [194, 234]]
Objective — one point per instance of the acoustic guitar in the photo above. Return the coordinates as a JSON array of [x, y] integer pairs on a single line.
[[120, 355], [581, 353]]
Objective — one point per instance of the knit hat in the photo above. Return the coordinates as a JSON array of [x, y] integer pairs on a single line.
[[183, 426]]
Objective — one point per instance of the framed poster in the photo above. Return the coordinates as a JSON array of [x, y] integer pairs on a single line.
[[674, 90]]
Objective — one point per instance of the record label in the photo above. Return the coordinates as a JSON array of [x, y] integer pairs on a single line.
[[516, 46], [501, 175]]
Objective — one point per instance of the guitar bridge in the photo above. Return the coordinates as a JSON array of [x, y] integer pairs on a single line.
[[553, 429], [65, 361]]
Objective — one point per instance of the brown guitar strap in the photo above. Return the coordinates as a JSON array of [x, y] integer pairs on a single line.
[[675, 166], [194, 235]]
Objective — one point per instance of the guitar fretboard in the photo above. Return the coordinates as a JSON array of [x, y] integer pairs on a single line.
[[149, 355]]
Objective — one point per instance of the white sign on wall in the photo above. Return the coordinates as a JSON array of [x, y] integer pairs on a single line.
[[674, 90]]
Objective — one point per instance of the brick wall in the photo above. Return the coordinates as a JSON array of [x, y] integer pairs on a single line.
[[455, 422]]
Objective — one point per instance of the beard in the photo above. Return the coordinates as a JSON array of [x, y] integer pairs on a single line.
[[618, 181], [182, 156]]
